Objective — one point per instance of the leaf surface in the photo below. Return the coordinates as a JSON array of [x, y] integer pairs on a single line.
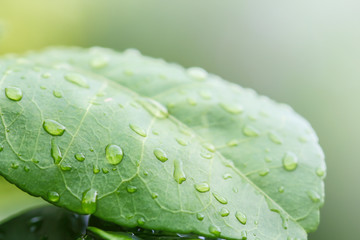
[[91, 133]]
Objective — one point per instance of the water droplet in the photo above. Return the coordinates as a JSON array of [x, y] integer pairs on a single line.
[[55, 152], [160, 154], [233, 143], [241, 217], [179, 174], [231, 108], [53, 127], [65, 167], [154, 195], [89, 201], [284, 219], [130, 216], [46, 75], [268, 159], [35, 223], [202, 187], [99, 62], [281, 189], [235, 189], [57, 94], [250, 131], [154, 108], [314, 196], [275, 138], [256, 222], [215, 230], [303, 139], [272, 205], [13, 93], [114, 154], [1, 147], [197, 73], [14, 165], [209, 147], [101, 94], [290, 161], [264, 172], [206, 95], [243, 235], [26, 169], [138, 130], [105, 170], [220, 198], [200, 216], [229, 163], [80, 157], [96, 169], [274, 208], [53, 196], [141, 221], [94, 102], [191, 101], [206, 155], [181, 141], [227, 176], [131, 189], [77, 79], [224, 212], [320, 172]]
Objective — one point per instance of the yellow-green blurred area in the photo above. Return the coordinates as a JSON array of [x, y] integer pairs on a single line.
[[14, 201], [304, 53]]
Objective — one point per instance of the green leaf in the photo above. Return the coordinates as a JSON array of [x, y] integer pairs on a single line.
[[143, 162], [121, 235], [110, 235], [107, 230]]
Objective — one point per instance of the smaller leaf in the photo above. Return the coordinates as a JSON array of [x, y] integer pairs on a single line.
[[51, 223], [111, 235]]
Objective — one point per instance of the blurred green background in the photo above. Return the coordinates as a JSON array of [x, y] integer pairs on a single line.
[[304, 53]]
